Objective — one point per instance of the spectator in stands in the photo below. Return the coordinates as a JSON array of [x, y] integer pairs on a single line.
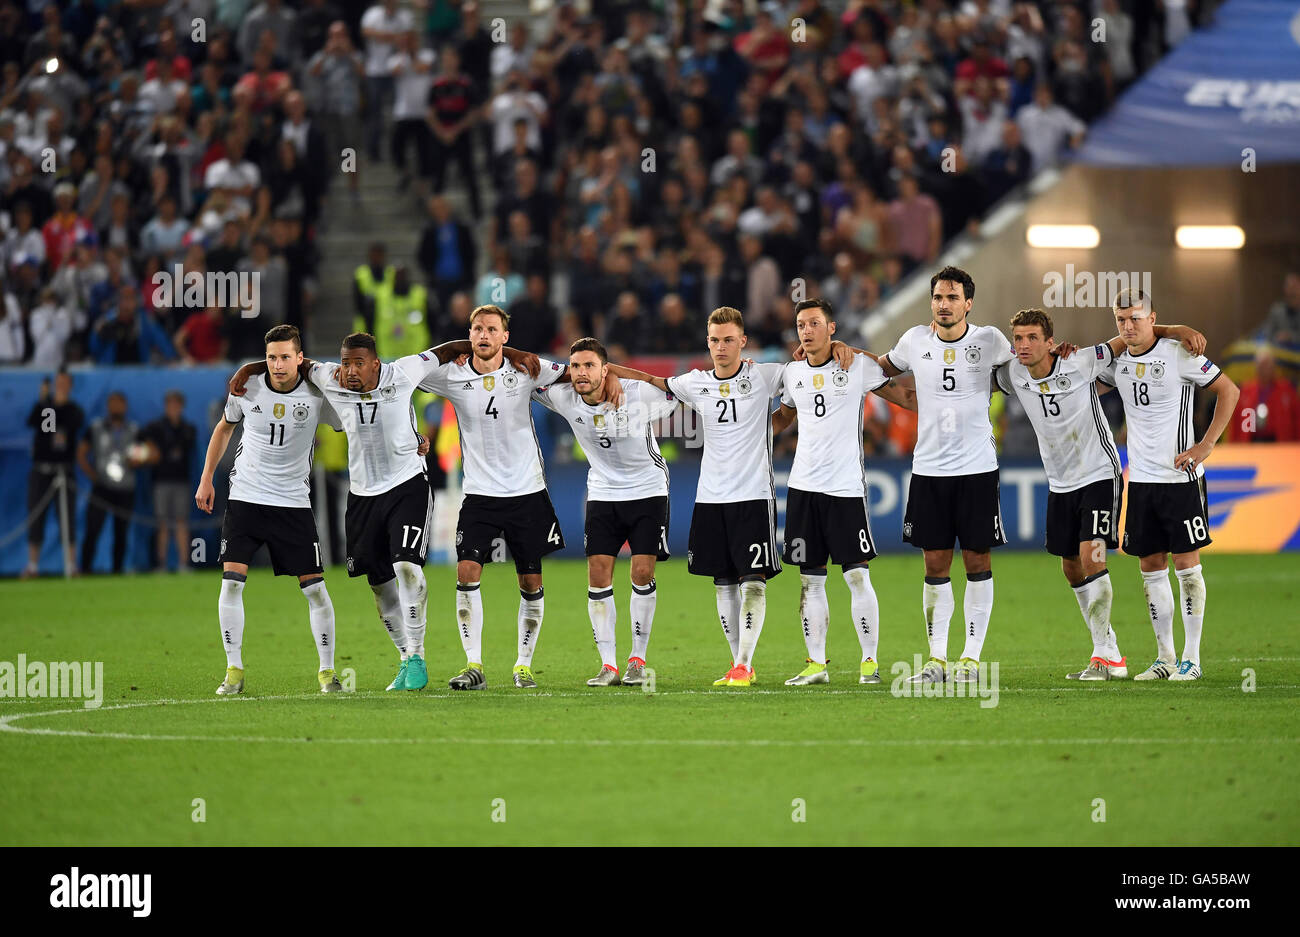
[[280, 21], [64, 226], [381, 26], [527, 251], [52, 325], [1269, 409], [917, 225], [234, 175], [106, 456], [366, 280], [24, 240], [1283, 324], [447, 253], [129, 334], [533, 318], [1007, 166], [1047, 128], [625, 335], [311, 163], [401, 316], [672, 333], [56, 423], [165, 232], [337, 70], [412, 71], [201, 339], [13, 331], [452, 112], [171, 439], [501, 285], [453, 323]]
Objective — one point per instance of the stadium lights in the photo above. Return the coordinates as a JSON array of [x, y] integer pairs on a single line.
[[1210, 236], [1062, 235]]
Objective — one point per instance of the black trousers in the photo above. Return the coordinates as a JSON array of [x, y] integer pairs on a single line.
[[102, 500], [462, 151], [39, 483], [405, 132]]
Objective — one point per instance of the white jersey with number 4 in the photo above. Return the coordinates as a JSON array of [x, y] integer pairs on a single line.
[[953, 387], [383, 442], [736, 414], [1073, 436], [1157, 387], [495, 417], [623, 457], [830, 403], [273, 459]]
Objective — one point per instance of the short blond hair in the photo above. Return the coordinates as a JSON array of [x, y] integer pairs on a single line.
[[1129, 298], [727, 315], [491, 311], [1026, 318]]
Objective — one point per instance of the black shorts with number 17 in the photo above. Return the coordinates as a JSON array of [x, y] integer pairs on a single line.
[[387, 528]]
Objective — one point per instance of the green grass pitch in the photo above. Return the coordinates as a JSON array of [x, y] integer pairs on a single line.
[[1202, 763]]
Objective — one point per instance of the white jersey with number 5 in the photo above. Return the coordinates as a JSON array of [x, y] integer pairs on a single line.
[[953, 387], [1073, 436], [622, 454], [383, 442], [736, 414], [495, 418], [1157, 388], [830, 404], [273, 458]]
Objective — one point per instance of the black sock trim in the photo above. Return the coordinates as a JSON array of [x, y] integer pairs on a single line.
[[1077, 585], [724, 581], [855, 566], [532, 596], [753, 577], [937, 580], [235, 577], [813, 570], [979, 577], [1095, 576], [647, 589], [310, 582], [602, 594], [467, 586]]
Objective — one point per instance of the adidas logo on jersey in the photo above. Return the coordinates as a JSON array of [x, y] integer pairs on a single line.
[[579, 419], [256, 409], [799, 386], [926, 357], [468, 386], [1125, 371]]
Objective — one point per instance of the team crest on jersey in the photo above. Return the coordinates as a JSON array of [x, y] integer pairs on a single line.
[[744, 386], [1063, 382], [907, 529], [460, 537], [840, 379], [725, 390], [489, 382], [1044, 387], [278, 410], [1141, 370], [1157, 371], [351, 565], [510, 380], [949, 355], [301, 412], [598, 421], [620, 419], [973, 355], [223, 548], [818, 382]]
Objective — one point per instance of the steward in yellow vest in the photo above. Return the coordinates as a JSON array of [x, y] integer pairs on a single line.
[[366, 279], [401, 317]]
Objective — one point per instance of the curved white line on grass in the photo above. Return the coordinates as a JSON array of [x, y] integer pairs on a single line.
[[7, 725]]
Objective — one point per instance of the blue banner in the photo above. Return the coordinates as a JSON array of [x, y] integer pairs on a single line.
[[1231, 87]]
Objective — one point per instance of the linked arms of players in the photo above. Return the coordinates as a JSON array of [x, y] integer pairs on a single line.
[[1191, 339], [901, 392]]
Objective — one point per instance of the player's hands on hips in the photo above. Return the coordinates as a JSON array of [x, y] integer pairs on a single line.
[[524, 360], [424, 446], [203, 497], [1194, 456], [843, 354]]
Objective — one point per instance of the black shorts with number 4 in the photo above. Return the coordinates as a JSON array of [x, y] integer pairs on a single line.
[[387, 528], [1083, 515], [946, 508], [289, 535], [641, 524], [734, 539], [526, 523], [818, 526], [1167, 517]]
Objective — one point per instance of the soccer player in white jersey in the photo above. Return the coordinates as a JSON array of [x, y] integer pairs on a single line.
[[953, 494], [505, 486], [826, 513], [1167, 511], [733, 526], [270, 500], [627, 498], [389, 502]]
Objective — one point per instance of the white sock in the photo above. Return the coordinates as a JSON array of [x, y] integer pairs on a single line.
[[389, 604], [604, 614], [938, 605], [728, 594], [753, 609], [866, 609], [814, 613], [977, 603], [531, 608], [1191, 599], [1095, 597], [230, 615], [469, 620], [1160, 607], [413, 597], [320, 611], [642, 608]]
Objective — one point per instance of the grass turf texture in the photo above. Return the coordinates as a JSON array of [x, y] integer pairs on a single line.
[[688, 764]]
